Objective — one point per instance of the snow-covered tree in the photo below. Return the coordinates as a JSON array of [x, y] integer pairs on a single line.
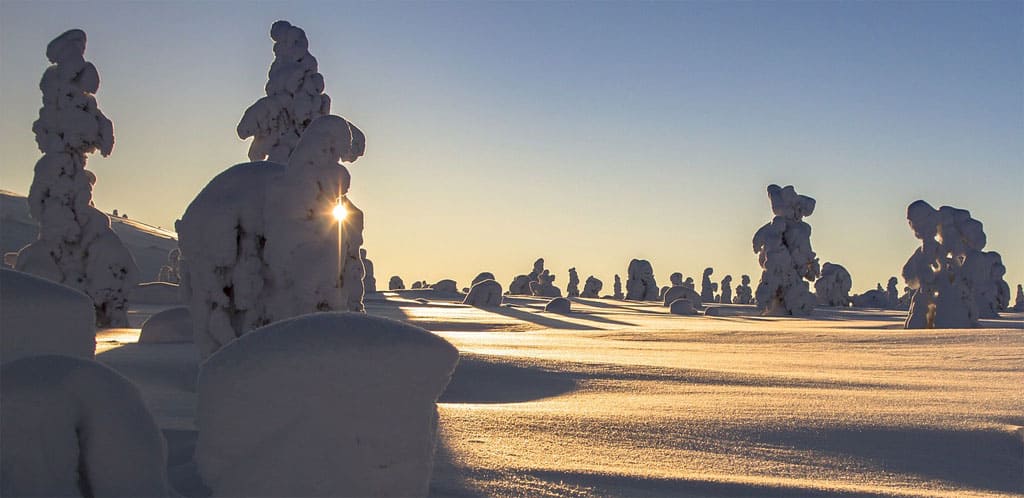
[[783, 248], [295, 98], [76, 246]]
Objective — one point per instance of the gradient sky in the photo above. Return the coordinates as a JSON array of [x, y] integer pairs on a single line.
[[586, 133]]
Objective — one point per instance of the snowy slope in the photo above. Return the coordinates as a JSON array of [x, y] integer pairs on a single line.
[[148, 244]]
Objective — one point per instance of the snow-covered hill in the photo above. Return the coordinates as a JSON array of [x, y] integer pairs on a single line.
[[148, 244]]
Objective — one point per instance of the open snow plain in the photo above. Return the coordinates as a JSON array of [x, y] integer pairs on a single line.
[[624, 399]]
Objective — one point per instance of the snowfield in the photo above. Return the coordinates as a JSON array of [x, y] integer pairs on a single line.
[[625, 399]]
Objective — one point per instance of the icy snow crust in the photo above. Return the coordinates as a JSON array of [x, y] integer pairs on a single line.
[[328, 404], [38, 317], [76, 246], [73, 427]]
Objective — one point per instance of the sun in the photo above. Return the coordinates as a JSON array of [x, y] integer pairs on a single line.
[[340, 212]]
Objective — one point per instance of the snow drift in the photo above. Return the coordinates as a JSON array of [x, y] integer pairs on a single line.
[[327, 404], [38, 316]]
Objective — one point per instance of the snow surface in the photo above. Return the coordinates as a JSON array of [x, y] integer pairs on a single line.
[[623, 399], [327, 404], [73, 427], [38, 316], [156, 293]]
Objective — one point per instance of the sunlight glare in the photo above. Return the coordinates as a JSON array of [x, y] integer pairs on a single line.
[[340, 212]]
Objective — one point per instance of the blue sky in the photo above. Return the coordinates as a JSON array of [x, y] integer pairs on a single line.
[[586, 133]]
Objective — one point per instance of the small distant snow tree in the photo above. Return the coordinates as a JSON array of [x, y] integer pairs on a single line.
[[295, 97], [76, 246]]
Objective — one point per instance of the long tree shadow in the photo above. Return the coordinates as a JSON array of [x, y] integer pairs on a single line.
[[538, 319], [606, 305], [980, 459], [478, 380]]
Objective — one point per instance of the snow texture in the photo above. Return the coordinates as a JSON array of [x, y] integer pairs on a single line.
[[326, 404], [170, 325], [640, 283], [833, 286], [682, 306], [39, 317], [156, 293], [75, 246], [74, 427], [726, 295], [617, 288], [682, 292], [396, 283], [295, 98], [592, 287], [744, 294], [486, 293], [259, 243], [949, 272], [573, 288], [369, 281], [447, 286], [558, 305], [783, 248], [707, 287]]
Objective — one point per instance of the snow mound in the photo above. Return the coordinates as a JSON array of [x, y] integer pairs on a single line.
[[558, 305], [38, 316], [327, 404], [682, 292], [447, 286], [156, 293], [833, 287], [682, 307], [744, 294], [171, 325], [74, 427], [484, 293]]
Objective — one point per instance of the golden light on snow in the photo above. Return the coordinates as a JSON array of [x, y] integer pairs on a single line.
[[339, 212]]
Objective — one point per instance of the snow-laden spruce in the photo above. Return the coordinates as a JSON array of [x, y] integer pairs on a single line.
[[726, 296], [592, 287], [74, 427], [678, 292], [955, 282], [396, 283], [522, 285], [369, 281], [892, 294], [260, 244], [295, 98], [744, 294], [171, 272], [707, 287], [39, 317], [573, 287], [480, 277], [833, 286], [76, 246], [783, 249], [485, 293], [640, 283], [326, 404], [544, 286], [617, 288]]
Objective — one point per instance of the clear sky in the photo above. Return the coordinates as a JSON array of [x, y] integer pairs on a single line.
[[585, 133]]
